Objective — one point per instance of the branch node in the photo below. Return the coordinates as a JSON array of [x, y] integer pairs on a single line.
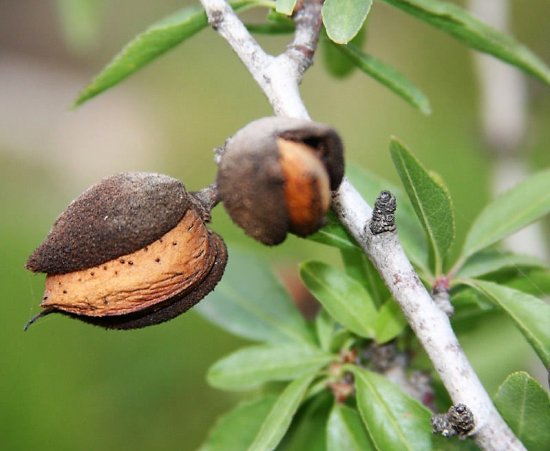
[[441, 296], [383, 215]]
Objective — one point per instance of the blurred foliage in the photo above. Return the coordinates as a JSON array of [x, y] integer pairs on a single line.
[[67, 386]]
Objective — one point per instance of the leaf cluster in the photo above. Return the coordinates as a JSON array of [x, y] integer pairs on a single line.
[[358, 313]]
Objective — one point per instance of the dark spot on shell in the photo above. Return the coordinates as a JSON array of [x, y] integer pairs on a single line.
[[146, 248], [116, 273], [64, 291], [130, 262], [104, 267], [92, 274], [174, 243], [105, 301], [157, 260], [122, 261]]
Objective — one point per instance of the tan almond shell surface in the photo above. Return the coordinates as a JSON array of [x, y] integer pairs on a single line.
[[178, 260]]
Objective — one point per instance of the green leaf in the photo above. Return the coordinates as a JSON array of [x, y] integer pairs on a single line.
[[390, 322], [311, 418], [344, 18], [532, 281], [285, 6], [252, 366], [236, 429], [250, 302], [494, 260], [394, 420], [525, 406], [324, 326], [474, 33], [430, 199], [347, 301], [515, 209], [333, 234], [149, 45], [280, 416], [345, 431], [337, 63], [531, 315], [388, 76]]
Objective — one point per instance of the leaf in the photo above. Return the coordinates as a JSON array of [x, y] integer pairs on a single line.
[[285, 6], [251, 303], [493, 260], [311, 418], [525, 406], [333, 234], [344, 298], [515, 209], [390, 322], [149, 45], [324, 327], [236, 429], [531, 315], [388, 76], [252, 366], [460, 24], [345, 431], [344, 18], [280, 416], [394, 420], [430, 199], [337, 63]]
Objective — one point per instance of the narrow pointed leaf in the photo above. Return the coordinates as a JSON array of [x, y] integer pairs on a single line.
[[324, 327], [305, 432], [390, 322], [344, 18], [250, 302], [252, 366], [460, 24], [149, 45], [430, 199], [347, 301], [333, 234], [493, 260], [280, 416], [394, 420], [345, 431], [531, 314], [525, 406], [285, 6], [236, 429], [388, 76], [515, 209], [336, 62]]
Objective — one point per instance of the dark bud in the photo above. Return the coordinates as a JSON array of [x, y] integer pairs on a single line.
[[131, 251], [276, 175], [441, 425], [462, 419], [459, 420], [383, 215]]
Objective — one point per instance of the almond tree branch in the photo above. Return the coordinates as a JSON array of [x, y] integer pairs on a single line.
[[279, 79]]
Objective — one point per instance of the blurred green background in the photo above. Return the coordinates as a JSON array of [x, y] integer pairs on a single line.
[[66, 385]]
